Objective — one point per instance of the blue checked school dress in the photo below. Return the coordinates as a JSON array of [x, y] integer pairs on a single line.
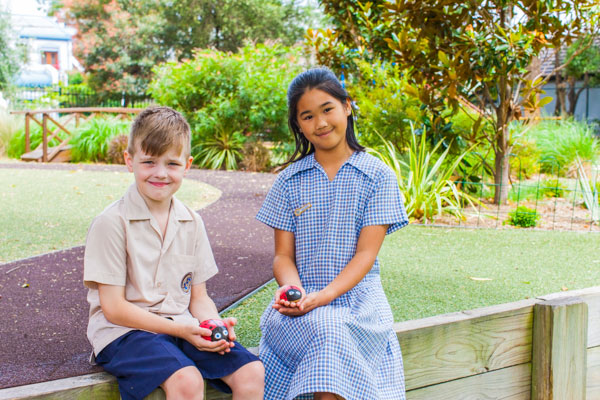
[[347, 347]]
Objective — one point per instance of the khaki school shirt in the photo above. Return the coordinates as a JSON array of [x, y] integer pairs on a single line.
[[124, 247]]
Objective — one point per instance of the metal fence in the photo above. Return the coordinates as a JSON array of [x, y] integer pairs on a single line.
[[66, 97], [555, 200]]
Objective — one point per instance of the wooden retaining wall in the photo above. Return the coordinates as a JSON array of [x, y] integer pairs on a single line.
[[546, 348]]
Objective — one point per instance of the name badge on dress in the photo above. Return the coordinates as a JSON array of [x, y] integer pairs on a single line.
[[301, 209]]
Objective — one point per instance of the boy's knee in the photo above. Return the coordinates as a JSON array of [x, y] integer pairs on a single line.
[[186, 383], [249, 379]]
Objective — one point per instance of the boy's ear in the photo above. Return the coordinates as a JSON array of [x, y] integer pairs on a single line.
[[128, 160], [188, 163]]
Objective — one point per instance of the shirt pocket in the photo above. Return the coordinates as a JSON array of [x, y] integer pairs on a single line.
[[178, 275]]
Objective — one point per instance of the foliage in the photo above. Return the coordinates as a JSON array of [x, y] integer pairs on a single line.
[[9, 126], [560, 142], [552, 188], [382, 107], [281, 152], [589, 192], [222, 151], [116, 147], [467, 54], [91, 140], [255, 157], [245, 92], [426, 186], [120, 41], [12, 55], [523, 216], [524, 160]]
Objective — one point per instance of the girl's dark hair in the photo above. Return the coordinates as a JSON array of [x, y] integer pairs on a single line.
[[325, 80]]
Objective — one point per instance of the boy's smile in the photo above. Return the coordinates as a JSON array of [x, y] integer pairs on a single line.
[[158, 177]]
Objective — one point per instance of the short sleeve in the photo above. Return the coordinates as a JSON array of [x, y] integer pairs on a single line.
[[276, 210], [105, 257], [385, 205], [207, 267]]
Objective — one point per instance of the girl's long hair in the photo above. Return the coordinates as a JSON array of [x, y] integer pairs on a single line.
[[325, 80]]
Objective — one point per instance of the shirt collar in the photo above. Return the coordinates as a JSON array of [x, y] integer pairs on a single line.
[[136, 208], [358, 159]]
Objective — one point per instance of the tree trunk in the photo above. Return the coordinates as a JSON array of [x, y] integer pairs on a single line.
[[501, 173]]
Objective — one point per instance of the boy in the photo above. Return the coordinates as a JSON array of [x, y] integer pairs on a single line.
[[147, 259]]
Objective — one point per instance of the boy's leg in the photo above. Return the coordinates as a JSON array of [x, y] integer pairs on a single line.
[[186, 383], [248, 382], [142, 361]]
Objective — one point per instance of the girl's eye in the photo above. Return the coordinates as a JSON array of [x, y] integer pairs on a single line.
[[328, 109], [306, 118]]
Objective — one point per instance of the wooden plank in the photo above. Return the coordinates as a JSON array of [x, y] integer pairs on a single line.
[[592, 297], [458, 345], [593, 373], [27, 135], [45, 138], [559, 350], [513, 383]]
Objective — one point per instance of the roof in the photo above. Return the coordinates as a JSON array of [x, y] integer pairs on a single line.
[[40, 27], [547, 57]]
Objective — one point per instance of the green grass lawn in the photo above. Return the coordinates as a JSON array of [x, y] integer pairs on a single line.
[[46, 210], [431, 271]]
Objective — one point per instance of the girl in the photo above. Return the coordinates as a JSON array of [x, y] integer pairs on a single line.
[[330, 211]]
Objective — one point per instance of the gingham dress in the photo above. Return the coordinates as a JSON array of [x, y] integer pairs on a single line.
[[347, 347]]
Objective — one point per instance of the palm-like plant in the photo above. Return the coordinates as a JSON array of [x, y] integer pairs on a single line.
[[425, 182], [222, 151]]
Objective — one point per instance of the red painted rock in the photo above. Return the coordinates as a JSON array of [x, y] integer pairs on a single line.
[[291, 294], [218, 328]]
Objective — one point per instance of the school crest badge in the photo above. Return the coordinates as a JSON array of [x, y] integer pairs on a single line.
[[186, 282]]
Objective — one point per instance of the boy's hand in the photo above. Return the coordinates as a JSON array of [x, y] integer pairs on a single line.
[[231, 322], [193, 334]]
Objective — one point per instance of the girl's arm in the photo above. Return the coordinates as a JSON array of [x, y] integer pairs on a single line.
[[119, 311], [369, 242], [284, 266]]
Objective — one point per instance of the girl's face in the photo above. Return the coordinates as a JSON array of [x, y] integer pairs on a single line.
[[323, 120]]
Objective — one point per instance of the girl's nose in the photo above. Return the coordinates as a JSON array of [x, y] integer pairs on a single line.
[[321, 122]]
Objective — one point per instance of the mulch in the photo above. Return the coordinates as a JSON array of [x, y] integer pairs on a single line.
[[43, 325]]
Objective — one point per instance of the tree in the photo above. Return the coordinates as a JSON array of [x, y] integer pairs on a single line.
[[472, 54], [583, 68], [119, 41], [12, 54]]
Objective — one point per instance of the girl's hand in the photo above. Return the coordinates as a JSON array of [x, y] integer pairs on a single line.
[[284, 303], [306, 304], [193, 334]]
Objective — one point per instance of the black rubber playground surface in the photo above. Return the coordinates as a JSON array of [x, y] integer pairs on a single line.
[[42, 327]]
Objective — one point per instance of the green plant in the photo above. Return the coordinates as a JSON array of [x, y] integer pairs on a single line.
[[9, 126], [589, 192], [523, 216], [255, 157], [560, 142], [552, 188], [222, 151], [426, 186], [90, 141], [116, 147], [281, 152]]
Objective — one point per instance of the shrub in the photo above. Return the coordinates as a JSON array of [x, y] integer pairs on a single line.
[[222, 151], [560, 142], [245, 91], [523, 216], [116, 147], [552, 188], [255, 157], [90, 140]]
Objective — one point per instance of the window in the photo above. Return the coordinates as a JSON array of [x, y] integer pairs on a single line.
[[50, 57]]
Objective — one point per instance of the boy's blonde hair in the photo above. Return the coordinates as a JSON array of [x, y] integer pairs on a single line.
[[158, 129]]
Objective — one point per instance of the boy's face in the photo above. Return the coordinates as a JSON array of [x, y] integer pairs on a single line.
[[158, 177]]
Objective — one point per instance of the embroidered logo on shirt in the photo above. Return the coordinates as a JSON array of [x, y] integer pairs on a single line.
[[301, 209], [186, 282]]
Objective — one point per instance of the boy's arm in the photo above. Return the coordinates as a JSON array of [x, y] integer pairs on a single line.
[[119, 311]]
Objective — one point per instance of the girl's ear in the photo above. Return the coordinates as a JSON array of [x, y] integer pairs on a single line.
[[348, 107]]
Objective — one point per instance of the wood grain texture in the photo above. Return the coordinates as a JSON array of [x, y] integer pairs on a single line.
[[461, 345], [593, 373], [559, 366], [511, 383]]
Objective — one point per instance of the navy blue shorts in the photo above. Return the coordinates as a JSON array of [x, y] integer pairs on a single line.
[[141, 361]]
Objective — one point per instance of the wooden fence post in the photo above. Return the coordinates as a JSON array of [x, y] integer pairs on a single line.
[[27, 139], [559, 360], [45, 138]]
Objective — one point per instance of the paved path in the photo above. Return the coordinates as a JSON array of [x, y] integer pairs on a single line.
[[42, 327]]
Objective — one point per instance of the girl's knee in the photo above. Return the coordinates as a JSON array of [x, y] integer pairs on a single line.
[[186, 383], [249, 379]]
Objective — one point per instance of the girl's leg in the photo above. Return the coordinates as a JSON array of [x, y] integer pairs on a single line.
[[185, 383], [248, 382], [327, 396]]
